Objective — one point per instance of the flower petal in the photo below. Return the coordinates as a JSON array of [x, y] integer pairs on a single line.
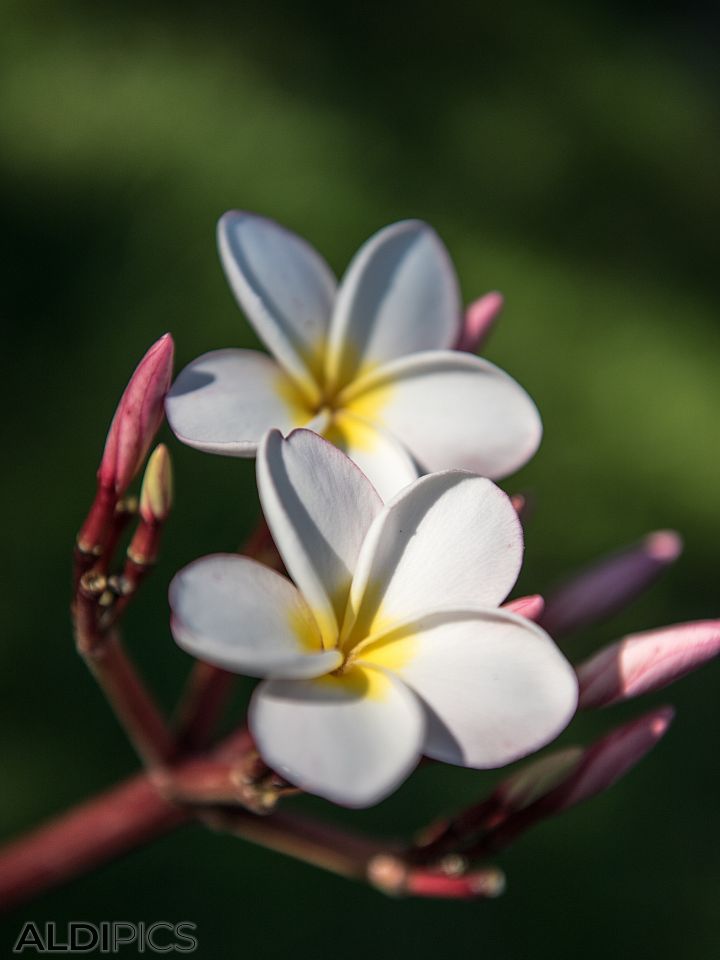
[[399, 295], [495, 685], [225, 401], [238, 614], [319, 507], [284, 286], [351, 739], [382, 458], [451, 410], [449, 539]]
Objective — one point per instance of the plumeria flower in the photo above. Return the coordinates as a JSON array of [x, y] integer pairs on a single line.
[[368, 364], [389, 644]]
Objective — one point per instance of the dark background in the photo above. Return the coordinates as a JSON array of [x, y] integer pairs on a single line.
[[568, 155]]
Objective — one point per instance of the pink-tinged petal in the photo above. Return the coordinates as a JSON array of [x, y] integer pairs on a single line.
[[495, 686], [451, 410], [480, 317], [138, 417], [529, 607], [285, 288], [399, 295], [237, 614], [225, 401], [448, 540], [319, 507], [610, 584], [352, 739], [647, 661]]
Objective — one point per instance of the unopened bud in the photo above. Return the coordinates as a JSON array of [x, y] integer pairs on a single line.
[[646, 661], [537, 779], [157, 487], [536, 793], [610, 758], [529, 607], [137, 418], [480, 317], [610, 584]]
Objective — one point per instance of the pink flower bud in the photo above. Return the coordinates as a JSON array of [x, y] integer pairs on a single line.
[[609, 759], [137, 418], [555, 783], [610, 584], [529, 607], [157, 487], [536, 779], [520, 504], [646, 661], [480, 317]]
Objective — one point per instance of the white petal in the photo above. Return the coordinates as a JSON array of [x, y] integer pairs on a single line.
[[399, 295], [319, 507], [351, 739], [236, 613], [382, 458], [451, 409], [284, 286], [225, 401], [449, 539], [495, 685]]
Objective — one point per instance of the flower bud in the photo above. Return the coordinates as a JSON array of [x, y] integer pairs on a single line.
[[157, 487], [536, 779], [529, 607], [610, 584], [480, 317], [137, 417], [555, 783], [609, 759], [646, 661]]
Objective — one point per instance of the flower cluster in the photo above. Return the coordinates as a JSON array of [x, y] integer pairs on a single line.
[[378, 437], [390, 644]]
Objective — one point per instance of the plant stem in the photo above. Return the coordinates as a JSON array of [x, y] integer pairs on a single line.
[[132, 704], [93, 833], [135, 812]]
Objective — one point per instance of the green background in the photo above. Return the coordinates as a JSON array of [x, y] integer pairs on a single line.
[[568, 155]]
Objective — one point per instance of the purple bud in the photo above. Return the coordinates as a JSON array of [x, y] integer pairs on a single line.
[[609, 759], [137, 418], [646, 661], [609, 584], [480, 317]]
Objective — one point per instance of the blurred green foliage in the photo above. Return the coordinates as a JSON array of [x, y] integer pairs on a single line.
[[568, 155]]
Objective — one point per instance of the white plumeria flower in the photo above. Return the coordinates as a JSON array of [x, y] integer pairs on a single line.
[[390, 645], [368, 364]]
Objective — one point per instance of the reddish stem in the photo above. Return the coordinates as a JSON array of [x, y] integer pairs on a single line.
[[202, 703], [135, 812], [132, 704], [99, 830]]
